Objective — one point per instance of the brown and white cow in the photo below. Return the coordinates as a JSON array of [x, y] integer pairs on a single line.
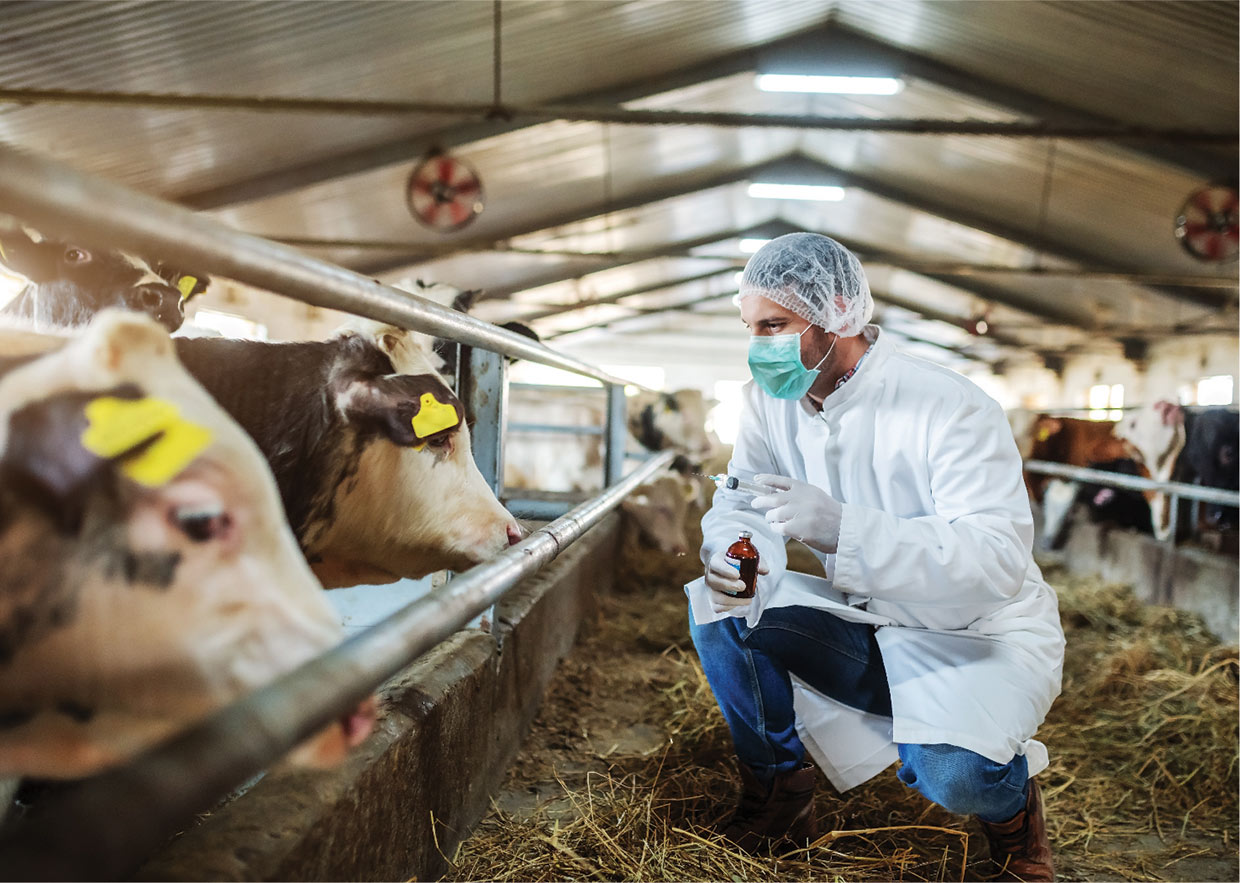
[[1075, 442], [1197, 446], [147, 575], [372, 494]]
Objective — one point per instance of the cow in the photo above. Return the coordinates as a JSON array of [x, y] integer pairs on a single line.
[[369, 448], [1193, 446], [147, 575], [560, 462], [69, 284], [658, 512], [1074, 442]]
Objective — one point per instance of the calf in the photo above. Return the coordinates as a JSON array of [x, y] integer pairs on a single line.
[[147, 576], [369, 448], [659, 511], [69, 284]]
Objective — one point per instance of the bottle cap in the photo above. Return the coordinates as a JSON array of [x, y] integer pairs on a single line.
[[745, 535]]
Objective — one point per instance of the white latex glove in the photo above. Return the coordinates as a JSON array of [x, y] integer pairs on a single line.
[[801, 511], [723, 578]]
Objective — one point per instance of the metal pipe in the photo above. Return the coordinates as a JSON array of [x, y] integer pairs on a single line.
[[540, 387], [50, 195], [557, 427], [503, 246], [1134, 482], [105, 827], [621, 115]]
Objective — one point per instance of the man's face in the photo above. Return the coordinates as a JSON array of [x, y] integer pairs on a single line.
[[765, 318]]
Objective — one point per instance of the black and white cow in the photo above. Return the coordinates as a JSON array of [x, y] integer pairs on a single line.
[[69, 284]]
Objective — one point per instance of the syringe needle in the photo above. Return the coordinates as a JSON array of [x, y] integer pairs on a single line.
[[732, 483]]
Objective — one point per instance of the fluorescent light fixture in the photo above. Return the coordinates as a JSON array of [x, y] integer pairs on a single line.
[[749, 246], [832, 85], [821, 193]]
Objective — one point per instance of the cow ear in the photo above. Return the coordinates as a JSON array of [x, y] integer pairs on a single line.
[[465, 300], [21, 253], [45, 464], [190, 286], [372, 404], [406, 409]]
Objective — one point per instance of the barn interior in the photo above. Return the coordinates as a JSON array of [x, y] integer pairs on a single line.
[[1044, 197]]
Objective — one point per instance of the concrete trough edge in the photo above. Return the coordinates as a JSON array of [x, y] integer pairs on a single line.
[[1196, 580], [453, 723]]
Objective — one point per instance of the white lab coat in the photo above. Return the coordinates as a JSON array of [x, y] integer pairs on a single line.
[[934, 549]]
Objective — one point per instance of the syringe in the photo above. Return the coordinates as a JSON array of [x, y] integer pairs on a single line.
[[732, 483]]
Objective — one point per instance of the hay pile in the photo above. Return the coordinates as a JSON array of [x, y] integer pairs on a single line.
[[629, 764]]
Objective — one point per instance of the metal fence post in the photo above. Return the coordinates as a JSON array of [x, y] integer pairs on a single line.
[[1166, 580], [617, 434], [483, 388]]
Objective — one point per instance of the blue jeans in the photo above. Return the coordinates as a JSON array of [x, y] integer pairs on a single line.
[[748, 671]]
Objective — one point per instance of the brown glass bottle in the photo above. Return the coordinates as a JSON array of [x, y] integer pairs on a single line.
[[743, 554]]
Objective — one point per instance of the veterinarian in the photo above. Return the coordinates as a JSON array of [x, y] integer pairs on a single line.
[[932, 637]]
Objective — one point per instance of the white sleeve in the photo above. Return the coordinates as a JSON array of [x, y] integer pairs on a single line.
[[730, 512], [977, 545]]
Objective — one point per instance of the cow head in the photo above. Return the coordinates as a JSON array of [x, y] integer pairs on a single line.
[[70, 283], [1156, 435], [437, 510], [676, 421], [660, 509], [147, 575]]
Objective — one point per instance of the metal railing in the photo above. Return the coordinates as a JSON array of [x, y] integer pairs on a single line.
[[1175, 489], [105, 827], [107, 215]]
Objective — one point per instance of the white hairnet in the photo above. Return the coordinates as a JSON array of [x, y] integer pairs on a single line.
[[813, 276]]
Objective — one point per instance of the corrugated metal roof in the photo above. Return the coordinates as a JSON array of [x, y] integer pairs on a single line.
[[582, 185]]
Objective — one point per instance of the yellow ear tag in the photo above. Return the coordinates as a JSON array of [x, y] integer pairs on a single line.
[[433, 416], [185, 285], [1043, 434], [116, 426]]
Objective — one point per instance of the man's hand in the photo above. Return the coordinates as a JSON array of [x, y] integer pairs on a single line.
[[723, 578], [801, 511]]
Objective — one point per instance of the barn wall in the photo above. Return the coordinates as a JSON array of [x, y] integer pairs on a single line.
[[1171, 369], [452, 724]]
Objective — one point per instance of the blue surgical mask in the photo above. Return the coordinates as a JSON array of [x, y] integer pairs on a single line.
[[775, 362]]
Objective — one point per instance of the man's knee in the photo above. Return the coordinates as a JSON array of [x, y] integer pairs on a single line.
[[962, 781], [713, 639]]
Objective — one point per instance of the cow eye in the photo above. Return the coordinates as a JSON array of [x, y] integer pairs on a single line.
[[201, 524], [439, 442], [75, 255]]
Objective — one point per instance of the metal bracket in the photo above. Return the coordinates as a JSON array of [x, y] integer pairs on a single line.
[[617, 434], [482, 385]]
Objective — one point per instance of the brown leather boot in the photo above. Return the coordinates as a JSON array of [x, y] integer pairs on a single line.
[[768, 818], [1020, 845]]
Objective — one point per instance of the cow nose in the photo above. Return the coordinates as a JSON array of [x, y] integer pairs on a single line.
[[514, 535], [161, 302], [152, 296]]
